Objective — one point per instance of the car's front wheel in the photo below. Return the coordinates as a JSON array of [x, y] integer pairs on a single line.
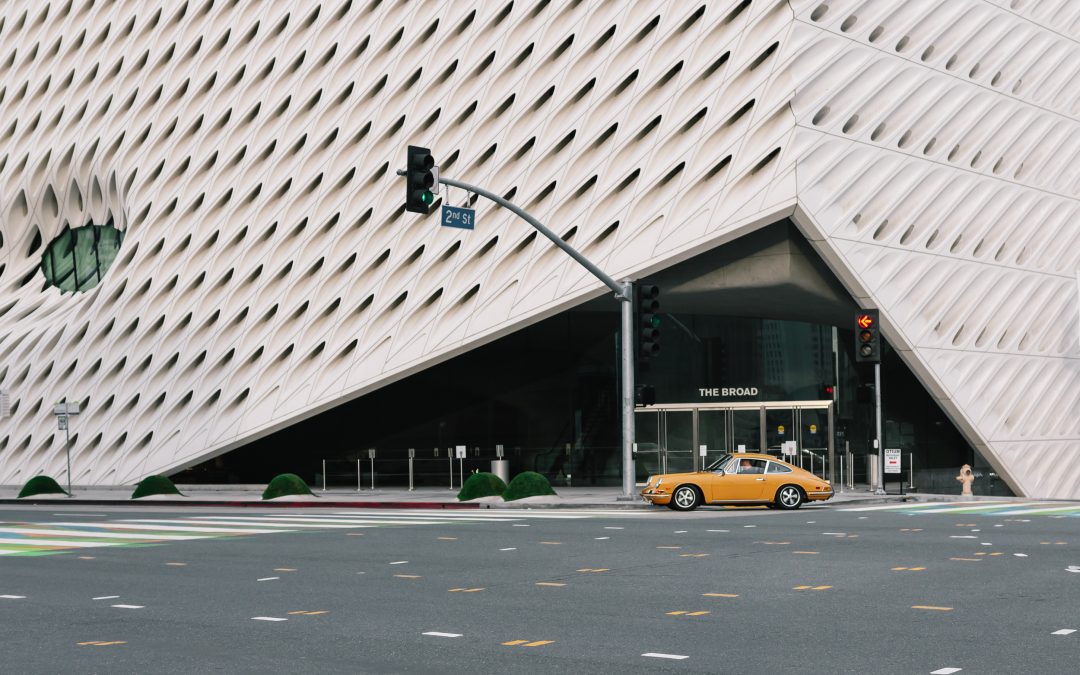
[[789, 497], [685, 498]]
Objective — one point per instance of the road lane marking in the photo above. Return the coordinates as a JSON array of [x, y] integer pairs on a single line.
[[520, 525], [552, 543], [92, 534], [717, 531], [13, 597], [129, 606], [447, 538], [670, 548], [527, 643], [268, 579], [465, 590], [810, 588], [806, 552], [720, 595], [659, 655], [98, 643], [306, 612], [962, 536], [435, 633], [680, 531], [934, 608], [1020, 555], [106, 597], [399, 562], [945, 671], [508, 549], [614, 528], [595, 569], [601, 538], [1064, 631], [176, 564], [284, 569], [170, 528], [693, 555], [268, 618], [966, 559], [549, 583], [408, 576]]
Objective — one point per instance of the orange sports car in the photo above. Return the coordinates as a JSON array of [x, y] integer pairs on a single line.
[[740, 479]]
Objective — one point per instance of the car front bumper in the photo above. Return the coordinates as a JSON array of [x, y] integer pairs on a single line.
[[656, 496]]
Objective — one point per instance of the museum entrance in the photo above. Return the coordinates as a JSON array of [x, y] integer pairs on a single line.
[[681, 437]]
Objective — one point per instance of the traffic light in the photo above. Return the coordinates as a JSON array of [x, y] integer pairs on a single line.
[[826, 393], [419, 180], [644, 394], [647, 322], [867, 337]]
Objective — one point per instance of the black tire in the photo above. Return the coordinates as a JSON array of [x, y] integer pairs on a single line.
[[789, 497], [685, 498]]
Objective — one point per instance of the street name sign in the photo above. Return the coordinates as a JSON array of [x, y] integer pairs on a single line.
[[455, 216]]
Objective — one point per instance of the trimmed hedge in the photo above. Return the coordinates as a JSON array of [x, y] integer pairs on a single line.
[[527, 484], [286, 484], [481, 485], [155, 485], [41, 485]]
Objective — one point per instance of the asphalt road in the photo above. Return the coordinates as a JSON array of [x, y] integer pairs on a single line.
[[820, 590]]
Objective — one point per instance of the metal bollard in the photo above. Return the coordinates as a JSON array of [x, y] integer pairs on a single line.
[[358, 475], [450, 457], [412, 453], [911, 471], [324, 475], [843, 461]]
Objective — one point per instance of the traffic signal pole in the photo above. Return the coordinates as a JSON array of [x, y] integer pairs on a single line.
[[624, 293]]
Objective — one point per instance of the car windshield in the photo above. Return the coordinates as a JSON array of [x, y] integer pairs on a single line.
[[718, 464]]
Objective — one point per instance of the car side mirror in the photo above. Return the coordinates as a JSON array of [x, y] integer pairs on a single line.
[[720, 472]]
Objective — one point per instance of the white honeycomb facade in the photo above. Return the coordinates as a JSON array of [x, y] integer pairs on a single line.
[[928, 149]]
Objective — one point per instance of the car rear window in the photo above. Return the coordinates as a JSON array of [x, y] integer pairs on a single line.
[[778, 468]]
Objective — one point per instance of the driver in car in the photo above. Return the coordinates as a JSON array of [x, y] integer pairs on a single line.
[[746, 466]]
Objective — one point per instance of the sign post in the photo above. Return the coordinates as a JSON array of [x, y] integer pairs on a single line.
[[63, 411]]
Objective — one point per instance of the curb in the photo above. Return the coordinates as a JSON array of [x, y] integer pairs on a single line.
[[253, 504]]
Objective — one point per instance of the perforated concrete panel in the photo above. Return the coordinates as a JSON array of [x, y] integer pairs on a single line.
[[268, 270]]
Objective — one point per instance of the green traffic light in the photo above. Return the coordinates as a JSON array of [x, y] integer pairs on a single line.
[[427, 197], [655, 321]]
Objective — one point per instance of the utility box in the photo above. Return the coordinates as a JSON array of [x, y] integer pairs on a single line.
[[501, 468]]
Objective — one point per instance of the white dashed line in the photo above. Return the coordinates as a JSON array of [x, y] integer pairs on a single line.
[[749, 525], [520, 525], [657, 655], [1071, 568], [268, 618], [680, 531], [501, 549], [106, 597], [128, 606], [13, 597], [718, 530], [962, 536], [601, 538], [399, 562], [1064, 631], [435, 633], [614, 528], [268, 579], [945, 671], [1020, 555]]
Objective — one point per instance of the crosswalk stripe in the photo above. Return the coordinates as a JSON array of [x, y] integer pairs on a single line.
[[134, 525], [254, 520], [57, 542], [95, 534]]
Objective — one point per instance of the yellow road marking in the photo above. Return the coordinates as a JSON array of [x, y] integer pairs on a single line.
[[681, 611], [810, 588], [538, 643], [284, 569], [805, 552], [911, 529], [515, 642], [799, 588], [932, 607], [407, 576], [995, 554], [967, 559], [552, 543], [310, 612], [693, 555], [720, 595], [774, 543], [86, 557], [698, 613], [908, 569], [595, 569], [98, 643], [821, 588], [465, 590], [548, 583]]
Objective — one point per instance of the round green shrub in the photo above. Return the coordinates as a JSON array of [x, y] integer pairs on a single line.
[[286, 484], [155, 485], [41, 485], [481, 485], [527, 484]]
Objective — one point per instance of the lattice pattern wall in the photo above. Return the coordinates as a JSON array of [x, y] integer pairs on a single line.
[[268, 269]]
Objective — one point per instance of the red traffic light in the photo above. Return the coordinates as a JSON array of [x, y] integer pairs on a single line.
[[864, 321]]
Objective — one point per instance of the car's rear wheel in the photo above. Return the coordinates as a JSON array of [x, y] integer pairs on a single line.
[[685, 498], [789, 497]]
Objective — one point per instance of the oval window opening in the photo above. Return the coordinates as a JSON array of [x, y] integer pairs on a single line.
[[77, 259]]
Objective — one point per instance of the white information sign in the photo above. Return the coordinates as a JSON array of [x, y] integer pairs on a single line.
[[742, 448], [788, 449], [703, 450], [892, 460], [460, 451]]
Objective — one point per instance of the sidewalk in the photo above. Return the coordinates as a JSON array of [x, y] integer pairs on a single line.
[[421, 498]]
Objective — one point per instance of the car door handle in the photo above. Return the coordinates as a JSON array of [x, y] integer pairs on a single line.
[[761, 479]]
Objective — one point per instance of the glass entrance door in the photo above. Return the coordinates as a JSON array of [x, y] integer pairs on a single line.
[[677, 445], [745, 425], [813, 439]]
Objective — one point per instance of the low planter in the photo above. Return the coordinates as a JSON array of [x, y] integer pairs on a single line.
[[479, 485], [286, 485], [41, 485], [155, 485], [527, 484]]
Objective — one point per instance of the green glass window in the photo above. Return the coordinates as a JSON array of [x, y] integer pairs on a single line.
[[77, 260]]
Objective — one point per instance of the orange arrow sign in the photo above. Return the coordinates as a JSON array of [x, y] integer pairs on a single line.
[[865, 321]]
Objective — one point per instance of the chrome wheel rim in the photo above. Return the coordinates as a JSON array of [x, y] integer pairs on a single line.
[[789, 496], [684, 497]]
